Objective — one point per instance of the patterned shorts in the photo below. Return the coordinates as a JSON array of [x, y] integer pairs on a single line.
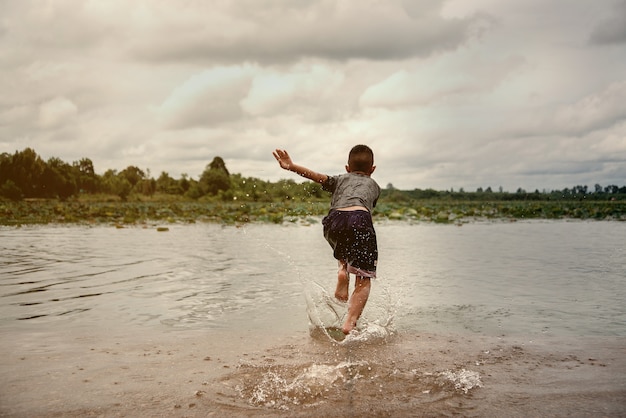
[[353, 240]]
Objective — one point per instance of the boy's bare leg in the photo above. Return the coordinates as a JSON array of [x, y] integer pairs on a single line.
[[357, 303], [343, 281]]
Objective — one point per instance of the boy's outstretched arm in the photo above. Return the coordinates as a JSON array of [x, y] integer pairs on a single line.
[[284, 160]]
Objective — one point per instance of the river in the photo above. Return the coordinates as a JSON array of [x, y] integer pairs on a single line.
[[207, 319]]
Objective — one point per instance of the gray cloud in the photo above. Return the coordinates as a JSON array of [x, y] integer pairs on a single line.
[[456, 93], [337, 31], [611, 30]]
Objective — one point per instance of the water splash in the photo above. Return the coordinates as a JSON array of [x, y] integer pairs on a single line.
[[286, 387], [274, 390], [323, 310], [369, 332], [327, 314], [463, 380]]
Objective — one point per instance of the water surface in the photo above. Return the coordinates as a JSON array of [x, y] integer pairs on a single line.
[[486, 319], [562, 278]]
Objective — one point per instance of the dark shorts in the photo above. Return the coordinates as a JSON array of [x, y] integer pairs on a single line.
[[353, 239]]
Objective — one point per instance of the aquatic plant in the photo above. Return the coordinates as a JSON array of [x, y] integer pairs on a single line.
[[115, 211]]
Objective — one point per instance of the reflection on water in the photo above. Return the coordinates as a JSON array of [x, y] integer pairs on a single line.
[[563, 278], [495, 279]]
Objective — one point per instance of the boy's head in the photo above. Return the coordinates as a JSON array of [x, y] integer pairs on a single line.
[[361, 159]]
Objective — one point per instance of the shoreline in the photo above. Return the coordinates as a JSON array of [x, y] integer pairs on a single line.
[[43, 212], [193, 373]]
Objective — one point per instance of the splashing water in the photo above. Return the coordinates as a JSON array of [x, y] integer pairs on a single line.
[[327, 314], [323, 310], [369, 332], [283, 387], [463, 379], [308, 387]]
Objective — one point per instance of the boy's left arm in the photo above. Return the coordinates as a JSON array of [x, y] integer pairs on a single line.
[[284, 160]]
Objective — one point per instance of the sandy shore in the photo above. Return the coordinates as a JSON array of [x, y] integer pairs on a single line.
[[199, 374]]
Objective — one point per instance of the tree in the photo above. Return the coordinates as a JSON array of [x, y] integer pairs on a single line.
[[116, 184], [132, 174], [194, 191], [166, 184], [580, 189], [184, 182], [146, 186], [219, 164], [58, 179], [10, 190], [87, 181], [215, 177], [26, 171], [6, 162]]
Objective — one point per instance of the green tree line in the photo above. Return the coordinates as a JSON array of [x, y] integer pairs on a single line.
[[25, 175], [598, 193]]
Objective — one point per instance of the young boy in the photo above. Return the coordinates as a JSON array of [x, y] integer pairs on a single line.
[[348, 227]]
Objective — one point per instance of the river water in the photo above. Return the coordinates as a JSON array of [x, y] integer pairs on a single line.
[[454, 311]]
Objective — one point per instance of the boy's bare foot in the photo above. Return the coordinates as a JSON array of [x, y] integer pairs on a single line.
[[343, 281], [348, 326]]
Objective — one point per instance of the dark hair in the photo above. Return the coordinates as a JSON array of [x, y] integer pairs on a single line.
[[361, 158]]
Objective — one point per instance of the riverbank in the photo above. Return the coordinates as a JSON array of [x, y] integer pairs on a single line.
[[112, 211]]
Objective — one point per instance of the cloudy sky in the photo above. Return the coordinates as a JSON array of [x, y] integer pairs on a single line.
[[449, 94]]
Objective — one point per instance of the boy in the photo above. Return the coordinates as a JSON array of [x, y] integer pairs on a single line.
[[348, 227]]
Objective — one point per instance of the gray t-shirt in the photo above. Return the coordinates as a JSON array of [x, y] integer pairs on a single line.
[[352, 189]]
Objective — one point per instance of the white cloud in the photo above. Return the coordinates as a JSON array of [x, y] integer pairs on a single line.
[[598, 110], [55, 112], [440, 79], [208, 98], [273, 92]]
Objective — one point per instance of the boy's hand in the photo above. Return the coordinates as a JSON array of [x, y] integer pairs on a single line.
[[284, 160]]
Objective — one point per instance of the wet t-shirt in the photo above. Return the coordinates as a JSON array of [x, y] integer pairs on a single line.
[[352, 189]]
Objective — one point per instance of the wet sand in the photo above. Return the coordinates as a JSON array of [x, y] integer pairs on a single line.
[[189, 373]]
